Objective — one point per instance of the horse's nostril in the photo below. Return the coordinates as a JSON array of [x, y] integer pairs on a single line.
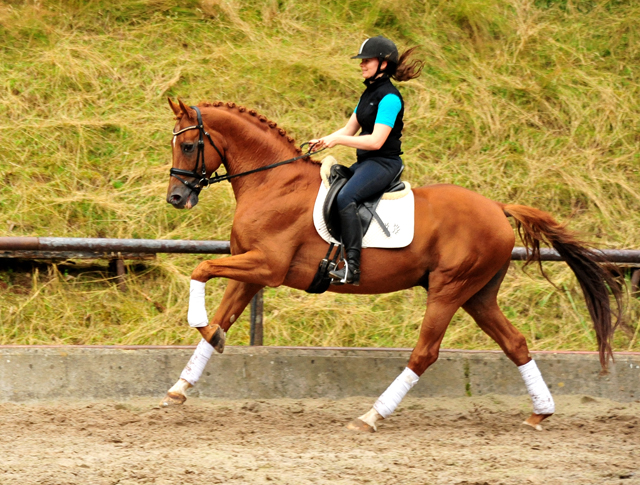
[[175, 199]]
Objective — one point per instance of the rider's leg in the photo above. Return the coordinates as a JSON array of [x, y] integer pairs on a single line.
[[352, 241], [370, 177]]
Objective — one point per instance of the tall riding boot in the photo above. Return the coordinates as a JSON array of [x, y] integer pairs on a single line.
[[352, 242]]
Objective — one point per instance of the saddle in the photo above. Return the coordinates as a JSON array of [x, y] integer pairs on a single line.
[[338, 177]]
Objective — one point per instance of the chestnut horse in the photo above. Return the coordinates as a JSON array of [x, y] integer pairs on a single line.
[[460, 252]]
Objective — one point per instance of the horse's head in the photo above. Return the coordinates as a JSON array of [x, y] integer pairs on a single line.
[[196, 155]]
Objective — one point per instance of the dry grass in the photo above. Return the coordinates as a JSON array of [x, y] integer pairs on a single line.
[[532, 102]]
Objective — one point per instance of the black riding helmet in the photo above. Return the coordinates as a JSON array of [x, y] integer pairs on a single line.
[[384, 50], [379, 47]]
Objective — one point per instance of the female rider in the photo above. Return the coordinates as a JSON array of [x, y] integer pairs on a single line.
[[379, 117]]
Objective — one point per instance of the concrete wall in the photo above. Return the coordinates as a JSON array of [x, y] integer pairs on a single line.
[[42, 373]]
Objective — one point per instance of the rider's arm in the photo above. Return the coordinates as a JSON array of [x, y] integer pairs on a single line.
[[365, 142], [351, 128], [388, 110]]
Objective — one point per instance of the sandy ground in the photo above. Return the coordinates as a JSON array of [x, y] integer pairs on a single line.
[[476, 440]]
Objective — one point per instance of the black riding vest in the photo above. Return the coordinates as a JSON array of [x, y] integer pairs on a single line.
[[366, 115]]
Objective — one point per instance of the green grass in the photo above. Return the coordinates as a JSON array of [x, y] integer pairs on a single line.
[[527, 101]]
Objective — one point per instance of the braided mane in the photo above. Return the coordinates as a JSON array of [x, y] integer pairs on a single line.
[[260, 118]]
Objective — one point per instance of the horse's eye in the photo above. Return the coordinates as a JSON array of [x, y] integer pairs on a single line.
[[187, 147]]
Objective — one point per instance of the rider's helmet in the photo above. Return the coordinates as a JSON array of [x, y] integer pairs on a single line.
[[380, 48]]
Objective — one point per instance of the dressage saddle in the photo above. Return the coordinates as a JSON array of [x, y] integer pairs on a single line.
[[338, 177]]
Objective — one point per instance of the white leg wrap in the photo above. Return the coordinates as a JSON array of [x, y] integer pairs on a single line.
[[388, 402], [538, 390], [197, 314], [198, 360]]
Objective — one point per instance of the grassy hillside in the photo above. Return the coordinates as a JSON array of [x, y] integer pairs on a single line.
[[528, 101]]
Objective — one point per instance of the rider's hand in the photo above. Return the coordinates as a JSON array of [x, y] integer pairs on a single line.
[[328, 141], [331, 140], [314, 145]]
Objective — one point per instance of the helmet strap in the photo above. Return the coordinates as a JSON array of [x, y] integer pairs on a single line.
[[378, 71]]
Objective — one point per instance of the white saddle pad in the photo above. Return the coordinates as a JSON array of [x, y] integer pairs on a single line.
[[396, 210]]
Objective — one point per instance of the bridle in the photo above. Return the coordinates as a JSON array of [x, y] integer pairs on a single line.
[[201, 175]]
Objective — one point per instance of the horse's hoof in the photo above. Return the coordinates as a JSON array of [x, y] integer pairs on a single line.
[[173, 399], [217, 340], [534, 421], [537, 427], [360, 426]]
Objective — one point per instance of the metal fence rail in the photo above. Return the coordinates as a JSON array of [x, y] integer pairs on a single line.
[[109, 247], [617, 256], [104, 245], [117, 250]]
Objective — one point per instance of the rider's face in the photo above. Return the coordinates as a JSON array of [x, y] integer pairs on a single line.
[[370, 66]]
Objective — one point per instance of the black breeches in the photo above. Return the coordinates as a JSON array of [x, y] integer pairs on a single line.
[[370, 177]]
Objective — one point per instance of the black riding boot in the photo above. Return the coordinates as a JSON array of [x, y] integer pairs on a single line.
[[352, 241]]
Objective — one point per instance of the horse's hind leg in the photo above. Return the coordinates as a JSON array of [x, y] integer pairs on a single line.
[[437, 317], [483, 307]]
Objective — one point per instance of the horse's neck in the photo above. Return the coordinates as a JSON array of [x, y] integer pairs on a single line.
[[250, 147], [276, 187]]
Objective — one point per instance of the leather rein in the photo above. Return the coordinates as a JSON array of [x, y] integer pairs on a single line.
[[201, 175]]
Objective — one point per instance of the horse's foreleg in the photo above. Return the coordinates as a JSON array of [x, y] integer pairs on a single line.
[[236, 297], [484, 309], [253, 269], [436, 320]]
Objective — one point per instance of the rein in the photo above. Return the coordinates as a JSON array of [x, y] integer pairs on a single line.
[[201, 176]]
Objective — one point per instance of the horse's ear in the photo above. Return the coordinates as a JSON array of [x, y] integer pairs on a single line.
[[190, 113], [174, 107]]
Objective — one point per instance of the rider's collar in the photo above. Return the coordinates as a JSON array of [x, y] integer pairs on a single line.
[[371, 83]]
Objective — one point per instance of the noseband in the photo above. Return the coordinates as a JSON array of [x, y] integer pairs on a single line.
[[201, 176]]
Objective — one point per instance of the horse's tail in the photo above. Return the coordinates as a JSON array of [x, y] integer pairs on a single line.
[[596, 279]]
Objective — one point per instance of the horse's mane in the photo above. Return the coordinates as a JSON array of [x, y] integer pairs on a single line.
[[259, 118]]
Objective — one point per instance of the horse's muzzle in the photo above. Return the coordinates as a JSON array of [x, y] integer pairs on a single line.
[[182, 199]]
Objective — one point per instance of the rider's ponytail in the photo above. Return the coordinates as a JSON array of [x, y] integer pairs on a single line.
[[406, 68]]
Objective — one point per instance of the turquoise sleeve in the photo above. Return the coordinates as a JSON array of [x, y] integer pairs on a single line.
[[388, 110]]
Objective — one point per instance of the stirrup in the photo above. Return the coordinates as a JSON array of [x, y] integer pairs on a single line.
[[338, 279], [343, 281]]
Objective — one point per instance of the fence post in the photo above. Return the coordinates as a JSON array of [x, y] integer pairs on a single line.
[[121, 273], [635, 281], [256, 330], [116, 267]]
